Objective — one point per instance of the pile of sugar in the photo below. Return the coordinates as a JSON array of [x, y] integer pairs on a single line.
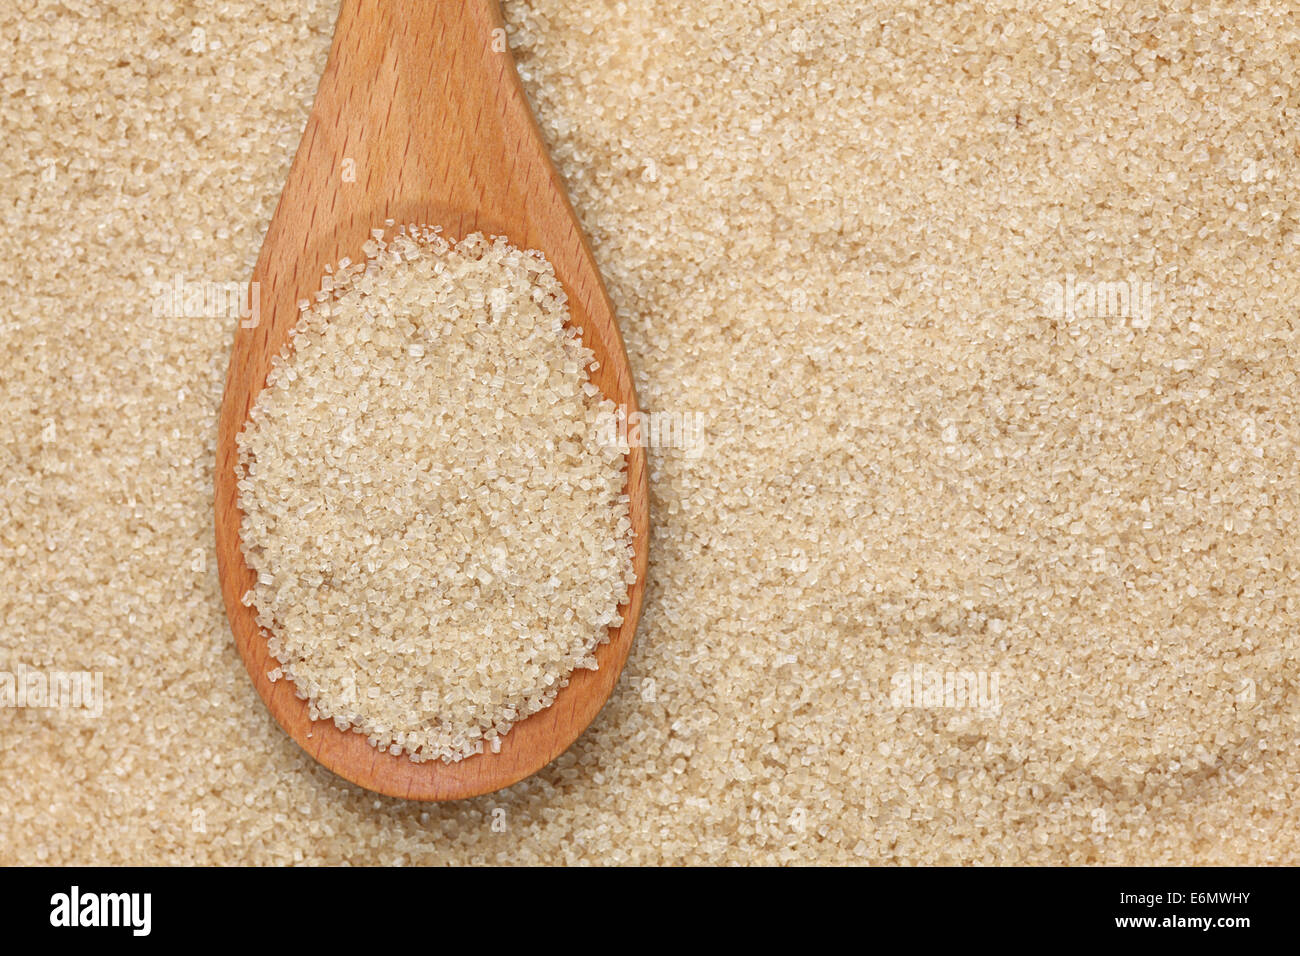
[[827, 227], [432, 496]]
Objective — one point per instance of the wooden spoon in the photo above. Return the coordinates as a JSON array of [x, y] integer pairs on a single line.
[[419, 118]]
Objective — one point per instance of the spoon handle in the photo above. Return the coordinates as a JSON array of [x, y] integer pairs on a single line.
[[427, 99]]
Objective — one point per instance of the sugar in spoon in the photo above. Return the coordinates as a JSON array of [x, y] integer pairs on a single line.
[[419, 118]]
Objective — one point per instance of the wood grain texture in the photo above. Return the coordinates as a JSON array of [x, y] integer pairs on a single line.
[[421, 99]]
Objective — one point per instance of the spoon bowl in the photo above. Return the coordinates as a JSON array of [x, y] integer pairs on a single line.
[[420, 119]]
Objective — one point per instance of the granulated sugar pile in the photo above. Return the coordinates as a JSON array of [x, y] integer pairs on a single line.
[[990, 554], [437, 524]]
